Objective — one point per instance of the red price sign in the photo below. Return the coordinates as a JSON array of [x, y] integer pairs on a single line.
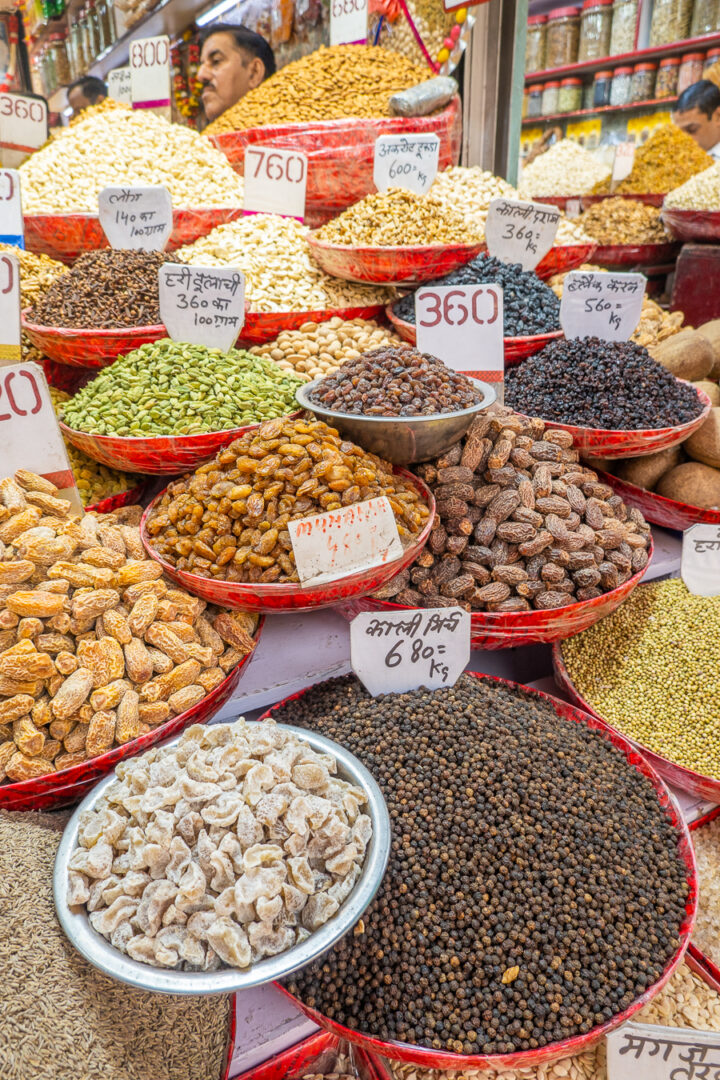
[[23, 126], [275, 181], [348, 22], [150, 73], [463, 326]]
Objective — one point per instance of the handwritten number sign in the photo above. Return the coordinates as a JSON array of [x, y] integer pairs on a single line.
[[136, 217], [463, 326], [23, 126], [203, 305], [348, 22], [408, 161], [120, 85], [275, 182], [601, 305], [12, 228], [649, 1052], [150, 73], [520, 232], [623, 161], [10, 348], [341, 542], [700, 562], [395, 651]]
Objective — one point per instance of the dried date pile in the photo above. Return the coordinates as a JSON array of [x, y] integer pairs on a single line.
[[614, 385], [534, 887], [105, 290], [96, 648], [229, 518], [520, 524], [395, 381]]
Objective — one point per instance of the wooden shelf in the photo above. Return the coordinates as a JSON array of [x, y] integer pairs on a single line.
[[554, 117], [588, 67]]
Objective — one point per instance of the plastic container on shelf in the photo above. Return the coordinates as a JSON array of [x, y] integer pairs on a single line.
[[59, 44], [570, 96], [667, 77], [562, 36], [642, 86], [588, 95], [550, 96], [670, 22], [534, 101], [602, 84], [705, 17], [595, 29], [624, 24], [621, 87], [711, 58], [535, 43], [690, 71]]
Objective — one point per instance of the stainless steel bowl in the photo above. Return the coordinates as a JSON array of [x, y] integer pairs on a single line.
[[101, 954], [402, 440]]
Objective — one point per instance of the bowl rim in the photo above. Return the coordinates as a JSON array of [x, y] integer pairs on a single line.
[[489, 398], [88, 215], [663, 501], [102, 955], [683, 211], [369, 250], [133, 440], [87, 331]]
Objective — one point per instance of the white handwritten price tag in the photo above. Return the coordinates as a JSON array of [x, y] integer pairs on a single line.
[[275, 181], [646, 1052], [700, 562], [136, 217], [348, 22], [408, 161], [12, 227], [392, 652], [599, 304], [572, 208], [23, 126], [203, 305], [623, 161], [29, 431], [119, 85], [341, 542], [520, 232], [10, 347], [150, 73], [463, 327]]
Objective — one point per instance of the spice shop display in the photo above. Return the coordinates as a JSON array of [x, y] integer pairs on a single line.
[[656, 324], [692, 210], [479, 947], [624, 20], [535, 44], [623, 221], [643, 82], [667, 159], [398, 218], [595, 28], [562, 36], [670, 22], [317, 349], [563, 170], [666, 82], [706, 843]]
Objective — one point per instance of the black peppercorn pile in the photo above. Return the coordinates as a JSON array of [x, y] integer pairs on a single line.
[[392, 381], [105, 290], [534, 888], [615, 385], [529, 305]]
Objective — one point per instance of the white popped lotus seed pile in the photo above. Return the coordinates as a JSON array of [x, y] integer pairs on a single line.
[[565, 169], [701, 192]]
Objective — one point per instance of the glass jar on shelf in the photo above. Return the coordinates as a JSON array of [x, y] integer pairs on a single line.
[[624, 22], [667, 77], [620, 88], [561, 36], [711, 58], [643, 82], [77, 51], [60, 56], [705, 17], [534, 101], [601, 89], [535, 44], [92, 31], [670, 21], [551, 92], [690, 71], [570, 95], [588, 95], [595, 29]]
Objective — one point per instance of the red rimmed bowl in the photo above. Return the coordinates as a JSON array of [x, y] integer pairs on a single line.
[[506, 629], [390, 265], [562, 258], [693, 224], [657, 508], [291, 596], [66, 236], [635, 254], [156, 455], [113, 502], [516, 348], [263, 326], [678, 775], [439, 1059], [649, 199], [87, 347], [70, 785]]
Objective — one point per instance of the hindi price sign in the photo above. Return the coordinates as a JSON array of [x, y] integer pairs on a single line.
[[408, 161], [275, 181], [392, 652], [348, 22], [601, 304], [463, 326], [119, 84], [12, 227], [520, 232], [10, 332], [23, 126], [700, 560], [650, 1052], [622, 161], [136, 217], [202, 305], [346, 541], [150, 74]]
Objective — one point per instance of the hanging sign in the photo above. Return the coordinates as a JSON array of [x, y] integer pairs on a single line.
[[346, 541], [348, 22], [700, 562], [463, 327], [650, 1052], [23, 126], [601, 304], [136, 217], [392, 652], [203, 305], [12, 226], [29, 431], [407, 161], [150, 73], [275, 181], [10, 332], [623, 161], [520, 232], [119, 83]]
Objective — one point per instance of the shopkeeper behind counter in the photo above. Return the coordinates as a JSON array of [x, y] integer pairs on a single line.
[[233, 60], [698, 113]]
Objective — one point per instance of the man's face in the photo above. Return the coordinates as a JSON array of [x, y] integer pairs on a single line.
[[228, 72], [705, 130], [77, 100]]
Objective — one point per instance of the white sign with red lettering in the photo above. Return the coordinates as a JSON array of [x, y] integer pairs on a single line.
[[23, 126], [348, 22], [150, 73], [463, 326], [275, 181], [345, 541]]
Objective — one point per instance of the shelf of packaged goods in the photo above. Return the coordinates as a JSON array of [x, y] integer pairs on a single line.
[[676, 48], [171, 17], [531, 121]]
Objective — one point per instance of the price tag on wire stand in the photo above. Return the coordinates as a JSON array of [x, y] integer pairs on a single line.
[[700, 561], [150, 74], [203, 305], [23, 126], [275, 182], [29, 431], [12, 226], [10, 333], [119, 84], [392, 652], [136, 217], [463, 327], [650, 1052], [623, 162], [600, 304], [348, 22], [520, 232], [341, 542], [407, 161]]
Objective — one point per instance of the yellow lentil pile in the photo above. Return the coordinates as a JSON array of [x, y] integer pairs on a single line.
[[318, 349], [399, 218], [330, 84], [706, 935], [666, 160], [650, 669], [623, 221]]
